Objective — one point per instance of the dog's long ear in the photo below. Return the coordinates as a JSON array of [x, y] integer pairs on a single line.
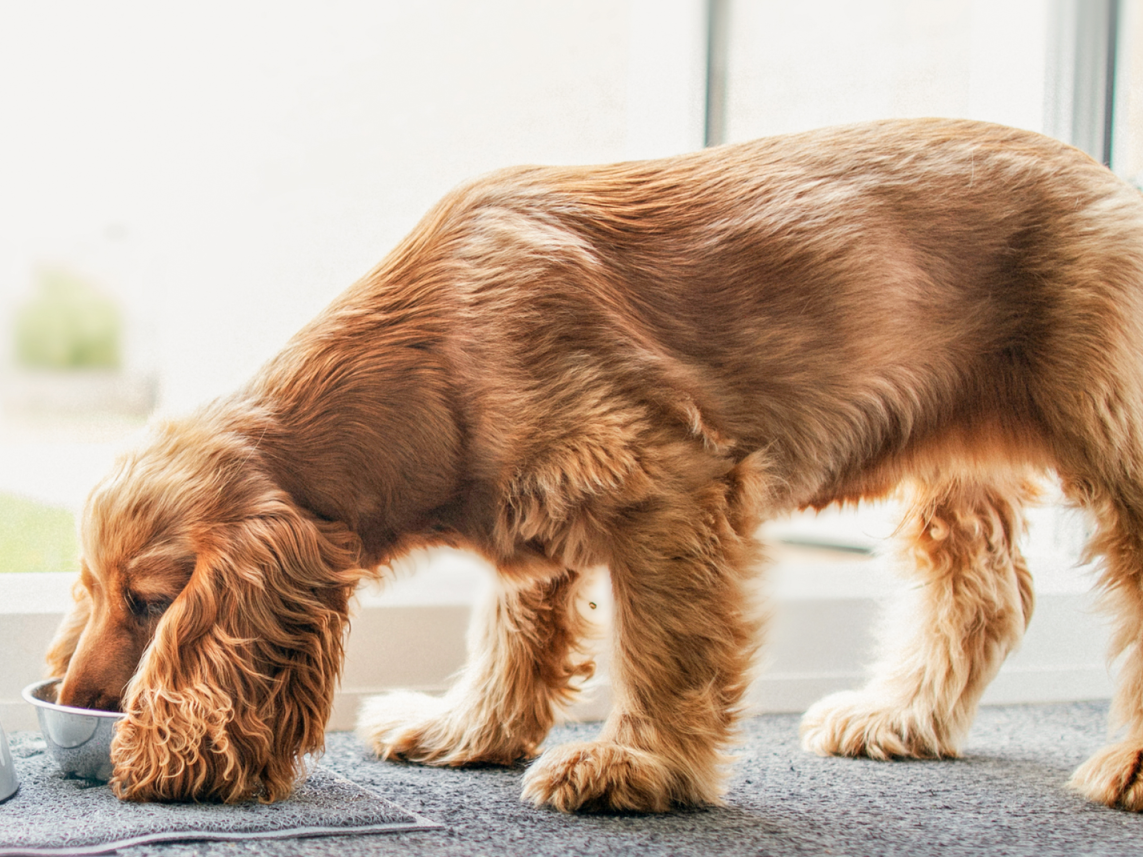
[[67, 636], [238, 682]]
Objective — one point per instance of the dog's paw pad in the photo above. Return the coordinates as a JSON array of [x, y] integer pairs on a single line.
[[851, 724], [1113, 776], [599, 776]]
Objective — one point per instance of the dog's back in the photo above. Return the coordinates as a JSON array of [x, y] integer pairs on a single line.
[[862, 298]]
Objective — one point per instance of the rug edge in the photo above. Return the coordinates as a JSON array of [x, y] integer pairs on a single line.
[[420, 823]]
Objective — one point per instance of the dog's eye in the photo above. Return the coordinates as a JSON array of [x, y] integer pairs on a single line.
[[145, 609]]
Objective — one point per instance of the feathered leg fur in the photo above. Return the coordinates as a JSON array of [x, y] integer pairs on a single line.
[[685, 634], [523, 660], [969, 607]]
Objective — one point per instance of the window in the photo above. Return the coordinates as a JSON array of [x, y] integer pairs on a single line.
[[205, 178]]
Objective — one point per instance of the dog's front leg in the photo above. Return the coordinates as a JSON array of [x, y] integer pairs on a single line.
[[523, 649], [685, 635]]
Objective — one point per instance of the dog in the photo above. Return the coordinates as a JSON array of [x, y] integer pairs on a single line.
[[633, 366]]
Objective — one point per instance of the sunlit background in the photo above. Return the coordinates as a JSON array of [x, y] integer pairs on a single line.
[[182, 186]]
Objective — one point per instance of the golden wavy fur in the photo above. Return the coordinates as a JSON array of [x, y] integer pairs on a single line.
[[631, 366]]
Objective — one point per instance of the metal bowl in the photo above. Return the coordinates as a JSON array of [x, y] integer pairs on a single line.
[[79, 739]]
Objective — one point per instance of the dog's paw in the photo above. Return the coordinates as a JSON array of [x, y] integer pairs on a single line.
[[430, 730], [853, 724], [601, 776], [397, 724], [1113, 776]]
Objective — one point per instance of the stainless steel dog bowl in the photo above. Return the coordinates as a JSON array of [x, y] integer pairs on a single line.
[[79, 739]]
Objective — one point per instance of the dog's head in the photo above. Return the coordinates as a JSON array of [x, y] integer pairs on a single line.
[[211, 610]]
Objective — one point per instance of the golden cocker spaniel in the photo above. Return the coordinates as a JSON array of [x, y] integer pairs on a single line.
[[632, 366]]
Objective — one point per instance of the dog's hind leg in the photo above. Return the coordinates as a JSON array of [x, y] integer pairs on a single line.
[[968, 609], [1091, 396], [523, 660], [1114, 775]]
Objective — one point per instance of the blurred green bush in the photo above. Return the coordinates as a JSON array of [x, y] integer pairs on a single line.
[[36, 537], [67, 324]]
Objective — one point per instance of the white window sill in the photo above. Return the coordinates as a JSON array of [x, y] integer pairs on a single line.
[[411, 634]]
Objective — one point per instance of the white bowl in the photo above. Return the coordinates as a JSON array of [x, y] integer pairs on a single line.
[[79, 739]]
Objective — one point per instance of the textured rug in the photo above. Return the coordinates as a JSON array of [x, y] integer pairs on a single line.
[[1006, 796], [53, 814]]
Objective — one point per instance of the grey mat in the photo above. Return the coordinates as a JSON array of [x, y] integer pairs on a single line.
[[53, 814], [1006, 796]]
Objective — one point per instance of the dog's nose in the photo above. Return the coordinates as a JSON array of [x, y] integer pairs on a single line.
[[75, 694]]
